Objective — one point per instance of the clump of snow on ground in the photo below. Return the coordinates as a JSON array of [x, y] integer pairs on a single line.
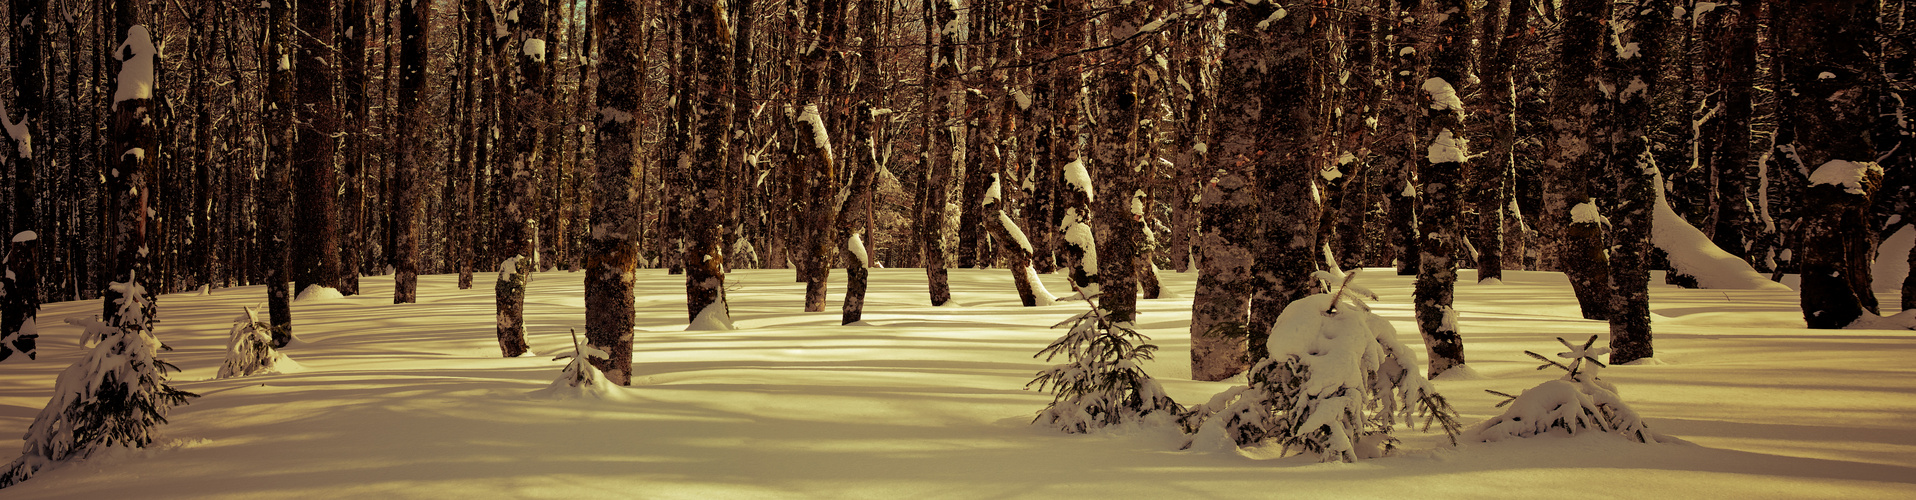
[[713, 317], [318, 293]]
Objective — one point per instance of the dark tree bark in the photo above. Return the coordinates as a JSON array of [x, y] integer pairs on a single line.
[[20, 288], [1441, 174], [1829, 104], [1735, 68], [941, 172], [276, 186], [1114, 143], [864, 163], [815, 154], [1582, 146], [353, 205], [1282, 126], [704, 142], [1635, 56], [1401, 141], [316, 257], [523, 117], [1493, 194], [415, 28], [129, 181], [613, 250]]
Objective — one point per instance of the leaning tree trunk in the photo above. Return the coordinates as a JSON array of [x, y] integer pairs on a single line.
[[522, 117], [613, 248], [1635, 74], [415, 28], [1288, 221], [20, 287], [704, 141], [1827, 73], [277, 184], [316, 257], [1582, 147], [1441, 174]]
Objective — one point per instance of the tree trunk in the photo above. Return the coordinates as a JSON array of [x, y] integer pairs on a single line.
[[277, 184], [1493, 194], [316, 257], [522, 117], [704, 148], [1829, 105], [1441, 174], [941, 153], [1283, 133], [20, 289], [353, 88], [613, 249], [1635, 173], [1582, 147], [415, 28]]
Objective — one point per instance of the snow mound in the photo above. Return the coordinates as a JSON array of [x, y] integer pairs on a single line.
[[714, 317], [1692, 253], [1892, 260], [317, 293], [592, 386]]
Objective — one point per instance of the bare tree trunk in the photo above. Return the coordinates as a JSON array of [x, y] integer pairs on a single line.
[[353, 87], [20, 287], [705, 140], [522, 124], [274, 207], [1494, 195], [941, 171], [1829, 105], [1284, 130], [415, 28], [316, 258], [1582, 147], [613, 250], [1441, 176], [1635, 172]]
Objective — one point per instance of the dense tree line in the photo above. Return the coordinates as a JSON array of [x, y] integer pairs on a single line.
[[311, 142]]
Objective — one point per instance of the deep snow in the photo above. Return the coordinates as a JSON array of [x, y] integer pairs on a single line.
[[412, 401]]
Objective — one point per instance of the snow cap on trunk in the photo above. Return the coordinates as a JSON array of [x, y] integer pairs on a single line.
[[1847, 174], [136, 68], [1448, 148], [1075, 174], [856, 246], [1443, 96]]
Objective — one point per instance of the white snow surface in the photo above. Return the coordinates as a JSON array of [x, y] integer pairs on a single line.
[[25, 236], [1845, 173], [1892, 260], [413, 401], [1693, 253], [136, 66], [318, 293], [1080, 234], [22, 136], [1584, 213], [534, 48]]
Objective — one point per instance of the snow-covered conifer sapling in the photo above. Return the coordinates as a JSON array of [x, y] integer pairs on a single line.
[[114, 396], [1336, 384], [1100, 384], [249, 349], [1576, 403]]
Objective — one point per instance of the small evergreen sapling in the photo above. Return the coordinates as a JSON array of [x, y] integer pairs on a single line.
[[1335, 385], [1576, 403], [579, 379], [1101, 383], [249, 349], [115, 396]]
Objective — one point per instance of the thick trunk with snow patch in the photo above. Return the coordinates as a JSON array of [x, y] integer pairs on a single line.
[[1442, 172], [1827, 70], [316, 257], [1633, 58], [612, 249], [1282, 121], [704, 140], [1573, 239]]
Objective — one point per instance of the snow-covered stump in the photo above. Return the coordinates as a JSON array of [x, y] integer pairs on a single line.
[[509, 293], [249, 349], [116, 395], [1336, 385], [1836, 231], [1100, 384], [1576, 403], [856, 277]]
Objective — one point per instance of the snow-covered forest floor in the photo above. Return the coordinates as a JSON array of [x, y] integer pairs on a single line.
[[413, 401]]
